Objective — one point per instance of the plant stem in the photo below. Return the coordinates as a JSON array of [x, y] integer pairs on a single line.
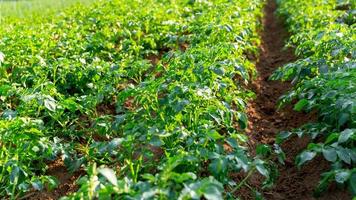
[[243, 181]]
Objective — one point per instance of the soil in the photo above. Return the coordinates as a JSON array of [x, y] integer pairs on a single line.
[[66, 183], [265, 121]]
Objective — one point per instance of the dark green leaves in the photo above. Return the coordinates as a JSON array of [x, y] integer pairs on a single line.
[[343, 119], [9, 114], [219, 71], [218, 167], [344, 155], [51, 181], [342, 176], [242, 119], [352, 182], [324, 82], [262, 170], [283, 136], [179, 106], [15, 173], [304, 157], [345, 135], [150, 93], [212, 192], [263, 150], [37, 185], [208, 188], [329, 154]]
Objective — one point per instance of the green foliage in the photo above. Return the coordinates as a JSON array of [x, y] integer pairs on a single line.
[[145, 95], [28, 8], [325, 81]]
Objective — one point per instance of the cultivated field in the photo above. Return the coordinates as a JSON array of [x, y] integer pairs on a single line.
[[177, 99]]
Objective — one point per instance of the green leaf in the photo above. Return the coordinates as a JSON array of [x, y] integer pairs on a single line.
[[109, 174], [342, 176], [242, 161], [9, 114], [352, 153], [331, 138], [233, 143], [180, 105], [50, 104], [352, 183], [73, 164], [344, 117], [304, 157], [35, 149], [242, 120], [52, 182], [323, 69], [212, 193], [219, 71], [280, 154], [324, 182], [214, 135], [218, 166], [156, 141], [149, 177], [315, 147], [4, 89], [263, 150], [344, 155], [301, 104], [329, 154], [37, 185], [15, 172], [345, 135], [70, 104], [212, 189], [283, 136], [262, 169], [182, 177]]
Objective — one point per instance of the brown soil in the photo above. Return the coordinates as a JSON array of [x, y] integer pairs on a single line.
[[66, 183], [265, 121]]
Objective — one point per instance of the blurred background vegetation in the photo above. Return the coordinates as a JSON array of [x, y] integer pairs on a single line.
[[25, 8]]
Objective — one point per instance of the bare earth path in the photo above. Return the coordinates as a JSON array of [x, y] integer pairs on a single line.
[[265, 121]]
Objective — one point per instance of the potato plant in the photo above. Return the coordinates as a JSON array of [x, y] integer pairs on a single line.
[[325, 80], [148, 97]]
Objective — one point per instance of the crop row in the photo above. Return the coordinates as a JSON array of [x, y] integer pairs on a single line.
[[325, 80], [147, 96]]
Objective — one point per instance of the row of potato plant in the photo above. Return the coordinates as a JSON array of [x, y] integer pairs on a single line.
[[148, 97], [323, 33]]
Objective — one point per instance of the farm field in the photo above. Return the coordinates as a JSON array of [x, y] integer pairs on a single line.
[[26, 8], [178, 99]]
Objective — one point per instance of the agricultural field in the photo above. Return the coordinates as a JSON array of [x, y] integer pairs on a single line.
[[27, 8], [177, 99]]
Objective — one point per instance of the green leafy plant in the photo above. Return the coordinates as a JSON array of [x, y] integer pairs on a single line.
[[324, 79], [149, 98]]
